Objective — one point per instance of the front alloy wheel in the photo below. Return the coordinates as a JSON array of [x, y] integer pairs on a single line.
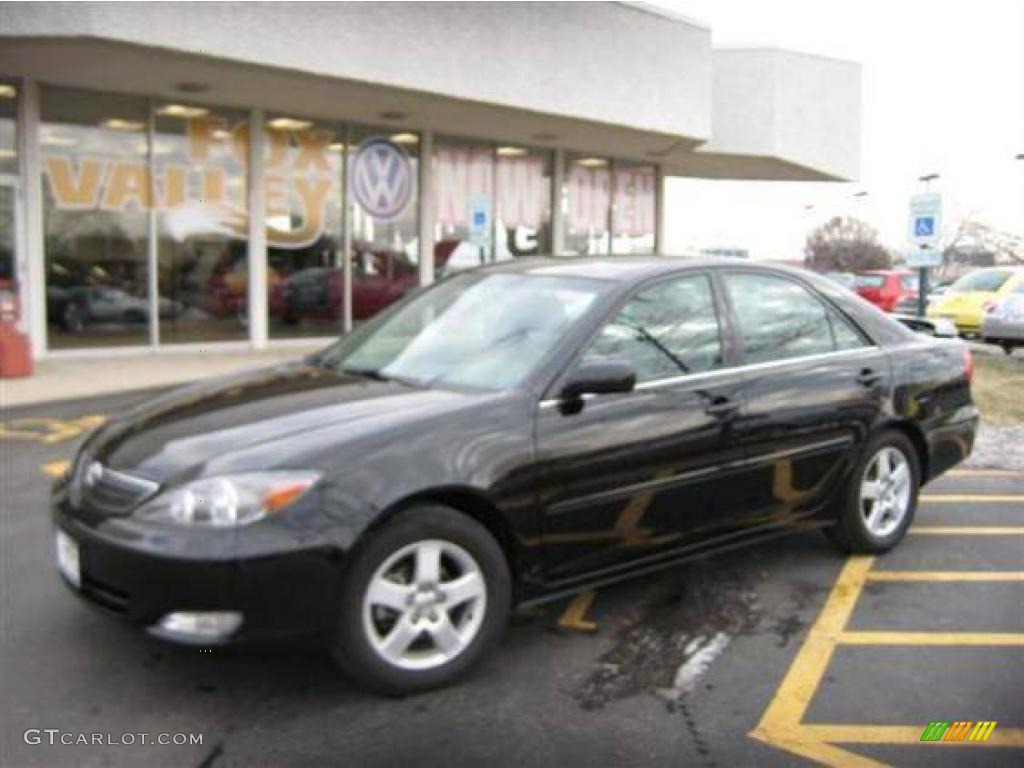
[[423, 598], [424, 605]]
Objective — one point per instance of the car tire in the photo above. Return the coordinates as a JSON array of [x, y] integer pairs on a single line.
[[880, 498], [389, 587], [1008, 347]]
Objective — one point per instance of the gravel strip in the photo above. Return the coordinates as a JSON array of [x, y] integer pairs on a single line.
[[998, 448]]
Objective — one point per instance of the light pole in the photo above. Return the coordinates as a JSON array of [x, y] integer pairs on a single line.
[[922, 272]]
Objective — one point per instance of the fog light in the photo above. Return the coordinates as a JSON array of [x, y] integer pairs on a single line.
[[199, 625]]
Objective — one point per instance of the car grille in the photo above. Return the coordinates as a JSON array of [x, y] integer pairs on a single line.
[[106, 491]]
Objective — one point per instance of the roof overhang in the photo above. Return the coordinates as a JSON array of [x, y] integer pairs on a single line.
[[779, 115]]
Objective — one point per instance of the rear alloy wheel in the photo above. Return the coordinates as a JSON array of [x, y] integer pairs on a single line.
[[881, 496], [423, 599], [885, 492]]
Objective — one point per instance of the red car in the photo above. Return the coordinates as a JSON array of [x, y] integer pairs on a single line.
[[885, 288]]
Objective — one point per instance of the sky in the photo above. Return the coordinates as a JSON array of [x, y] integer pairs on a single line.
[[942, 92]]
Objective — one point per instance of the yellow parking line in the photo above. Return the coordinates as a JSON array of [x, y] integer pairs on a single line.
[[55, 468], [946, 576], [576, 611], [931, 638], [904, 734], [950, 498], [969, 530], [985, 473]]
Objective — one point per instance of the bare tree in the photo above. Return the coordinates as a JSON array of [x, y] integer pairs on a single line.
[[976, 243], [845, 244]]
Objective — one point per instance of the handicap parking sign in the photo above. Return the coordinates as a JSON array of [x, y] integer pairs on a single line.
[[924, 226]]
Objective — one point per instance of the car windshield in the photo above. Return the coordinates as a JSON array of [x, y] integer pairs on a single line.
[[869, 281], [991, 280], [482, 331]]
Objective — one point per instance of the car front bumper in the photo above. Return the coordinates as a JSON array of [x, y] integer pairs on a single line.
[[279, 586], [1000, 328]]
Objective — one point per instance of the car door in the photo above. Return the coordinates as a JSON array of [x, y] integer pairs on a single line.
[[633, 476], [813, 387]]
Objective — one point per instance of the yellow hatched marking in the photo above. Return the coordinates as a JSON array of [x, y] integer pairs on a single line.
[[49, 431], [931, 638], [987, 498], [946, 576], [782, 722], [576, 611], [55, 468], [969, 530]]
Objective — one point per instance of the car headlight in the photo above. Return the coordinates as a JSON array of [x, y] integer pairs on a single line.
[[228, 500]]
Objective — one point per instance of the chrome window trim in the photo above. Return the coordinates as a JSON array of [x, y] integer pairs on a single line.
[[690, 377]]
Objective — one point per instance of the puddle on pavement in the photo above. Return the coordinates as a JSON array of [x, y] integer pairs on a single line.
[[666, 646]]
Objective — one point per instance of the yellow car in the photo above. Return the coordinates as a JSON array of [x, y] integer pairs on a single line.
[[974, 295]]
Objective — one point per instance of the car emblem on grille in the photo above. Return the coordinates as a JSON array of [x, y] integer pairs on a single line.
[[93, 473]]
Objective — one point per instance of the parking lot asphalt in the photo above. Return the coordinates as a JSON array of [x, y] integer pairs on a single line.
[[782, 654]]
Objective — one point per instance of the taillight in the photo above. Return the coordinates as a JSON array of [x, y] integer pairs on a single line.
[[968, 364]]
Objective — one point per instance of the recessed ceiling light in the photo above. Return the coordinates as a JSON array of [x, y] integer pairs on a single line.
[[5, 153], [289, 124], [180, 110], [192, 86], [592, 162], [117, 124], [221, 133], [392, 115], [405, 138], [7, 91], [337, 146], [511, 151]]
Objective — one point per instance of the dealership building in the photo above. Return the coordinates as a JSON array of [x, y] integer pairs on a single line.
[[215, 175]]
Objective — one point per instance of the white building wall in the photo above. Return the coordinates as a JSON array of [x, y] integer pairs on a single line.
[[606, 62]]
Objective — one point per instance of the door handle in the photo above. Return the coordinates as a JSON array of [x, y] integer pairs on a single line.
[[868, 377], [721, 406]]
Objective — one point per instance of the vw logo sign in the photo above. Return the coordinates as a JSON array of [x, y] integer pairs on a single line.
[[93, 473], [381, 178]]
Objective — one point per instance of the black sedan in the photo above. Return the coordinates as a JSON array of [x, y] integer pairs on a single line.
[[510, 435]]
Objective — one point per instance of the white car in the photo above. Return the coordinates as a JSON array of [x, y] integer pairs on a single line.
[[1004, 324]]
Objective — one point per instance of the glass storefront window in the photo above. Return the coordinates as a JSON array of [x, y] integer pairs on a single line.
[[200, 164], [493, 203], [633, 211], [587, 201], [522, 216], [383, 176], [96, 195], [464, 204], [302, 175], [8, 177]]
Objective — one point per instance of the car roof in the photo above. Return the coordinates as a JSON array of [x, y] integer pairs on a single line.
[[623, 269]]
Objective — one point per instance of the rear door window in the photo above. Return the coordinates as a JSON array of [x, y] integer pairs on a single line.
[[869, 281], [778, 319]]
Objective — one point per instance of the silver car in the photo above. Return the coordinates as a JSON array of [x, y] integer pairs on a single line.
[[1004, 325]]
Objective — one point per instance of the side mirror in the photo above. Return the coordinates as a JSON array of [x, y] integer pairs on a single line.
[[599, 378]]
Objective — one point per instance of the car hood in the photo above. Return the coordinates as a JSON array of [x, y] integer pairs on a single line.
[[188, 428]]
